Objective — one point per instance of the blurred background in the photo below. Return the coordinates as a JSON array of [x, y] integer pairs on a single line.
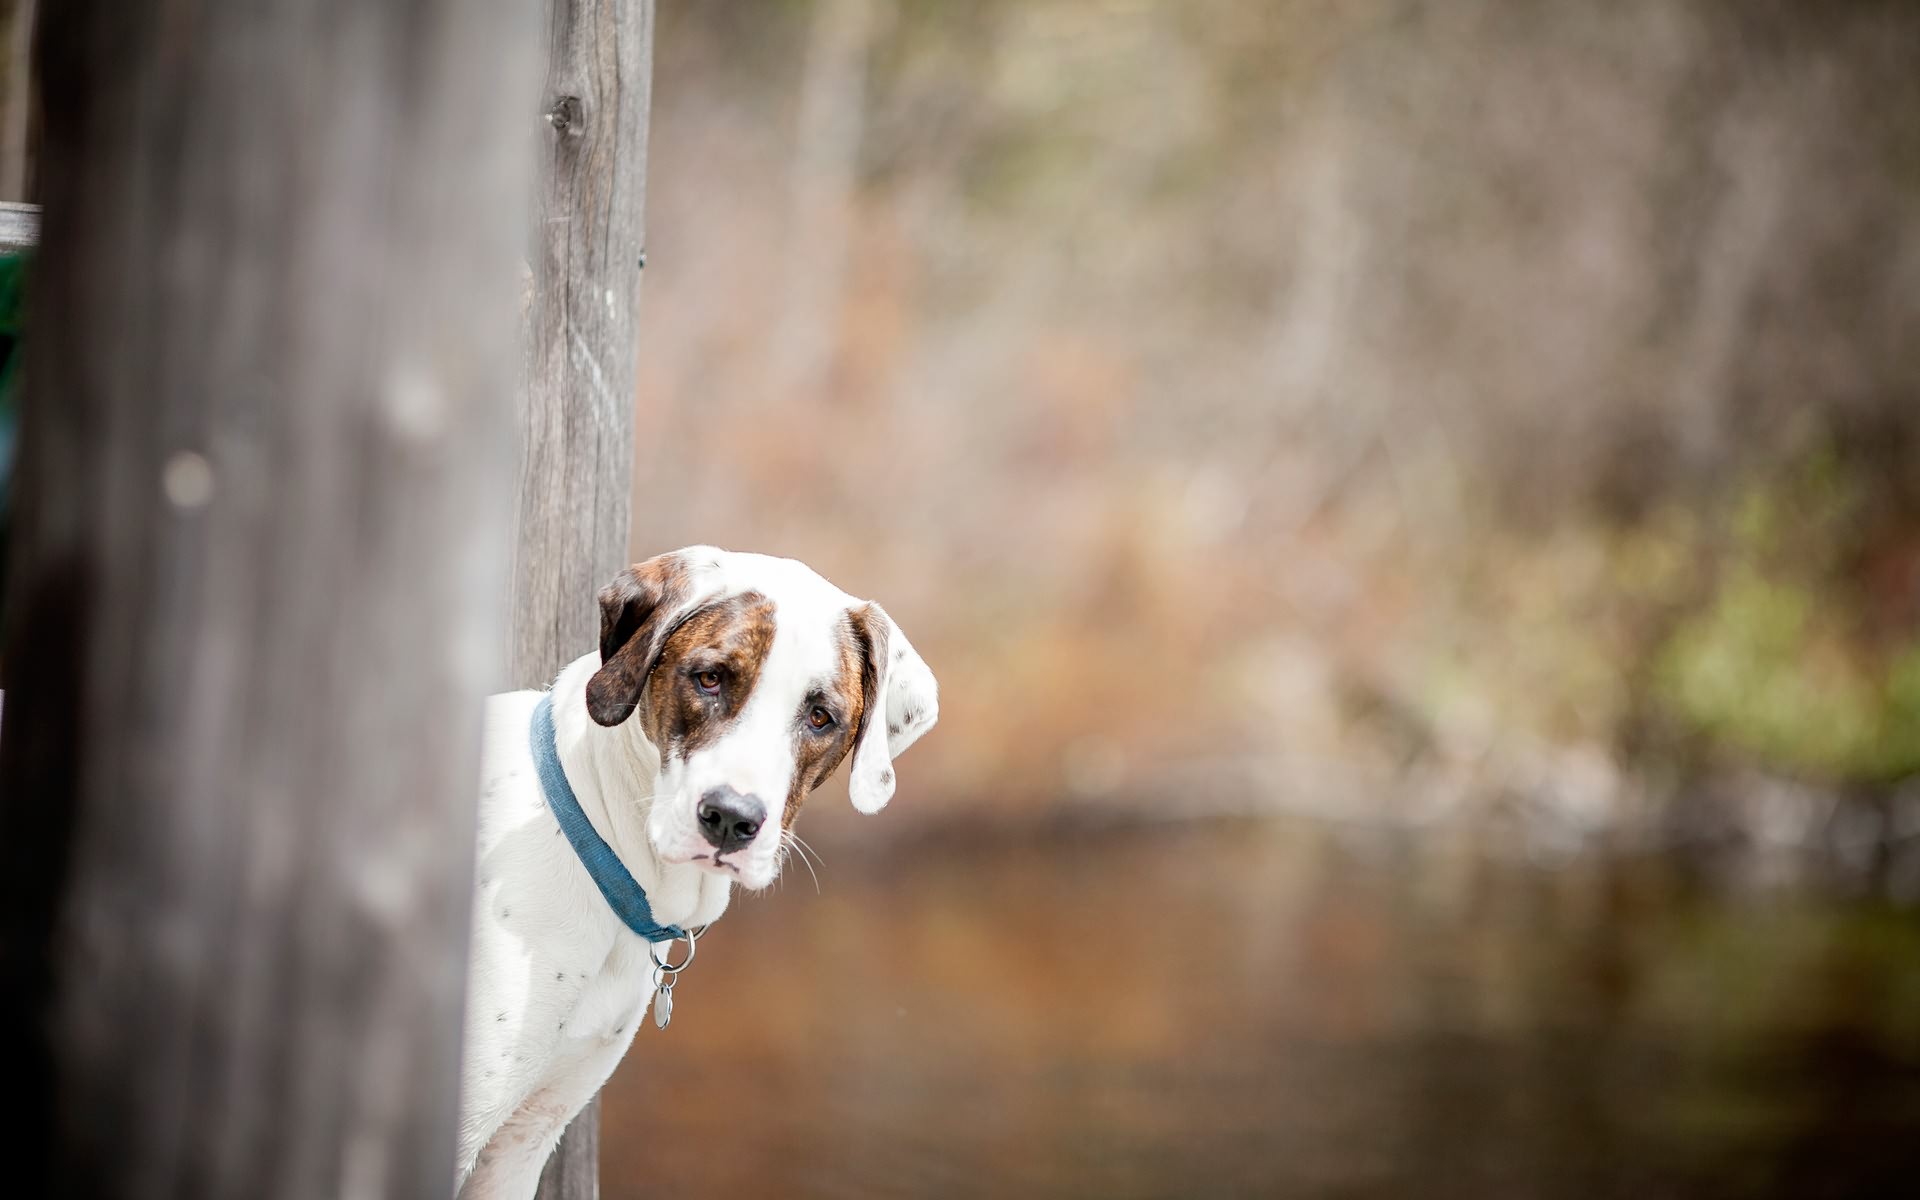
[[1415, 508]]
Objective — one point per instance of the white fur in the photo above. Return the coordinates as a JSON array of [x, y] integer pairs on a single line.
[[557, 986]]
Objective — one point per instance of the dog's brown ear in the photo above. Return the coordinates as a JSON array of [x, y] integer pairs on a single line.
[[637, 612]]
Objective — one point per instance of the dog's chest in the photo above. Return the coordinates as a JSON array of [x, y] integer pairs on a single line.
[[611, 1001], [551, 959]]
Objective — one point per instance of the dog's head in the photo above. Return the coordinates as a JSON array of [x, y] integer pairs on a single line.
[[753, 678]]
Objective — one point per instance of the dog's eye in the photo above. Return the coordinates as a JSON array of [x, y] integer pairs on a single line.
[[819, 718], [708, 681]]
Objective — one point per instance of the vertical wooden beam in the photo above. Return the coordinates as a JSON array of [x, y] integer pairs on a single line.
[[576, 477], [257, 590], [16, 98]]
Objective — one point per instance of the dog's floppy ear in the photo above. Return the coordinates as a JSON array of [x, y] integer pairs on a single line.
[[638, 610], [902, 701]]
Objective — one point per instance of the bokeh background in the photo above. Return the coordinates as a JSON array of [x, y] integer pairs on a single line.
[[1415, 508]]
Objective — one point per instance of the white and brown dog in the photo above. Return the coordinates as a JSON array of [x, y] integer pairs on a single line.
[[726, 687]]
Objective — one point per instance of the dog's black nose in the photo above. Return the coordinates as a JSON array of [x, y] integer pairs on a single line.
[[728, 819]]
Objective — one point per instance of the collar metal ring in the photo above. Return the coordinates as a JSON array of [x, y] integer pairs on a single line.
[[668, 968]]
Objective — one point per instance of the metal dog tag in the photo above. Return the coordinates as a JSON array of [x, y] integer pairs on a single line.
[[664, 973]]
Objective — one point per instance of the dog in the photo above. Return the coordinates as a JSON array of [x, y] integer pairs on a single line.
[[726, 688]]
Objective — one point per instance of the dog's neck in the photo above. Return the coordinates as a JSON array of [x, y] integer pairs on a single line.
[[612, 772]]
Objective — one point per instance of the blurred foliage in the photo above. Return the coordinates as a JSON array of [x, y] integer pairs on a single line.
[[1754, 626], [1471, 424], [1268, 406], [1783, 661]]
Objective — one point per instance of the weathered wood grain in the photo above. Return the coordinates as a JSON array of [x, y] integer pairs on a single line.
[[258, 589], [576, 478], [575, 489]]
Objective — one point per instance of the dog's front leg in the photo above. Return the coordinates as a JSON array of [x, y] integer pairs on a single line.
[[510, 1164]]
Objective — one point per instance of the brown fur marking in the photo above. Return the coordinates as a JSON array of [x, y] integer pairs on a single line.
[[731, 636], [818, 753]]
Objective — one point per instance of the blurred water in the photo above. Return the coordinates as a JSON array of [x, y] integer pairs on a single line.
[[1269, 1009]]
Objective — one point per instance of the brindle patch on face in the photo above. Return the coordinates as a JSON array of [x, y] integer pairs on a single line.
[[732, 638], [818, 752]]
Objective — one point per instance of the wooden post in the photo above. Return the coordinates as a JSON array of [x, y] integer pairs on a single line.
[[16, 99], [576, 477], [257, 590]]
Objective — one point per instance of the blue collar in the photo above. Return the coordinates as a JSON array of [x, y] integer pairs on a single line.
[[624, 894]]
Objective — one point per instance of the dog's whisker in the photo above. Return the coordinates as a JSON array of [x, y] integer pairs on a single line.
[[789, 842], [806, 849]]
